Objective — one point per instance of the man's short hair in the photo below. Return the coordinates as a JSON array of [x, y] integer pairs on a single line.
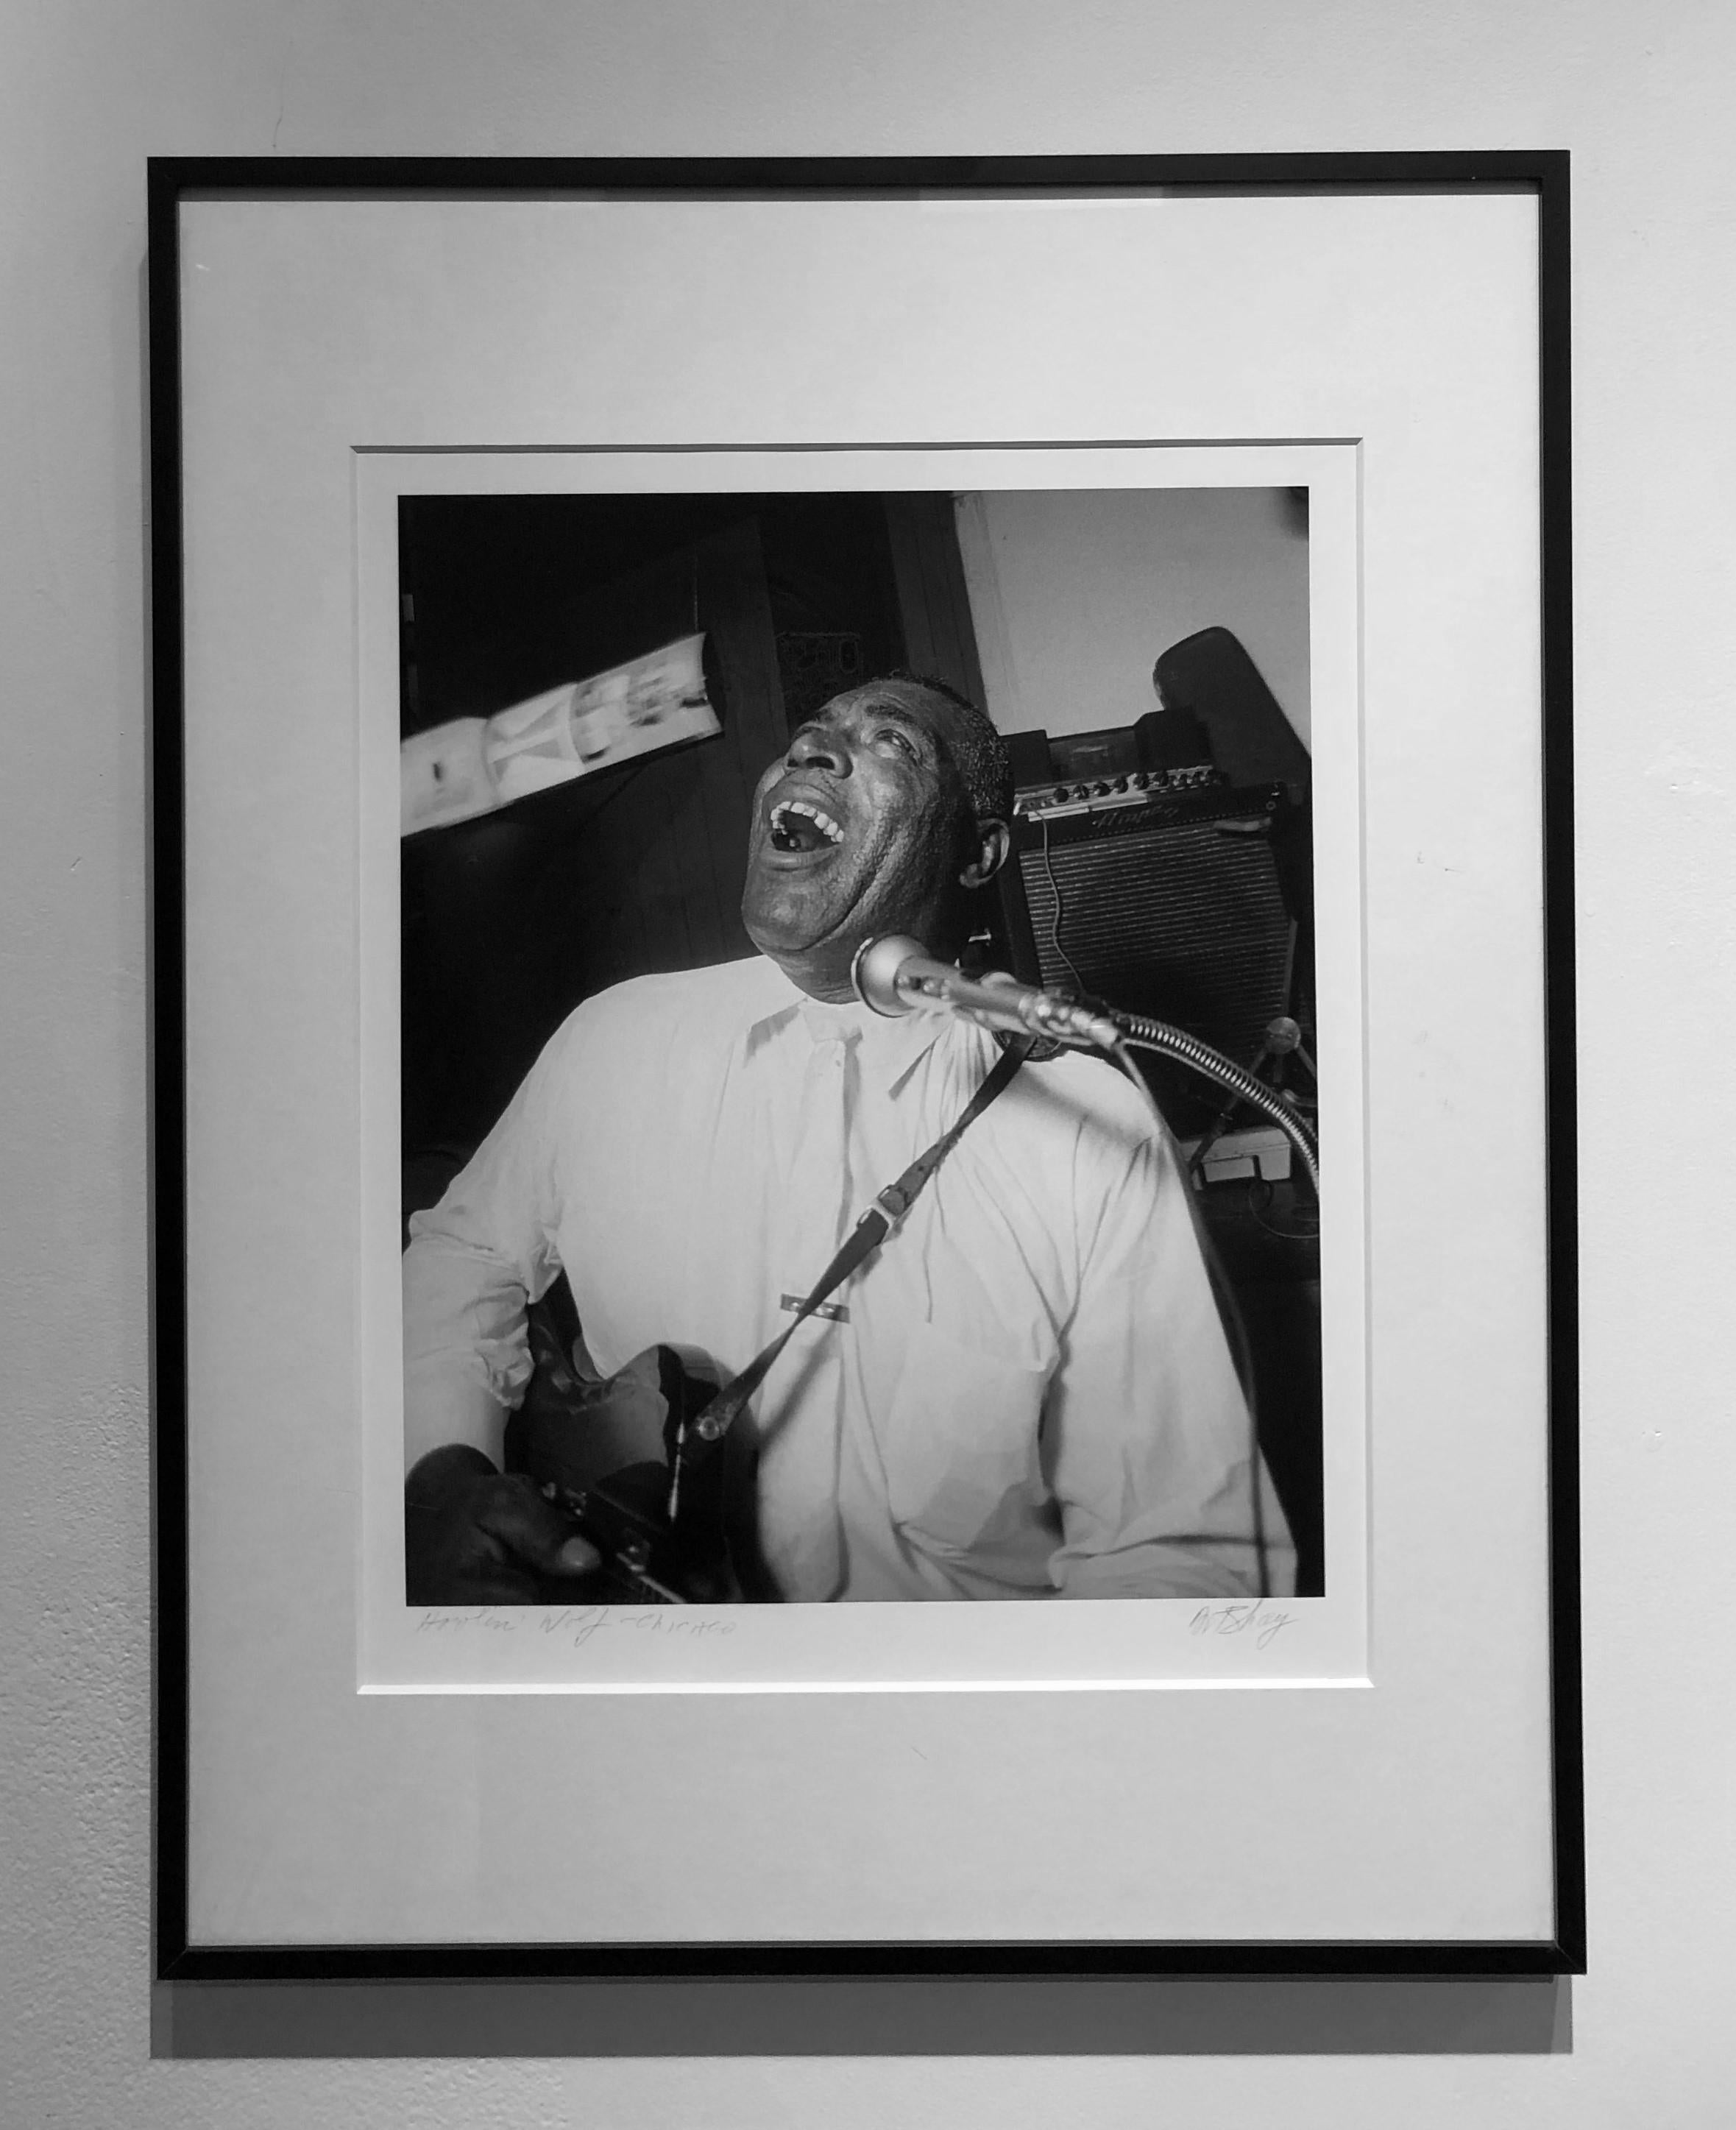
[[978, 751]]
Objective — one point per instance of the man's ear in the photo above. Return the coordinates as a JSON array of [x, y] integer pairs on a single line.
[[993, 841]]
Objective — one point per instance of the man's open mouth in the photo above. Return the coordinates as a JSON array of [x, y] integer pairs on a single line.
[[797, 824]]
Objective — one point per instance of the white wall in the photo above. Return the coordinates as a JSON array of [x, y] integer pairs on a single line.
[[1075, 593], [1640, 90]]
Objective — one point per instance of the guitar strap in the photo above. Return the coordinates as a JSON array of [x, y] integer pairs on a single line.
[[890, 1206]]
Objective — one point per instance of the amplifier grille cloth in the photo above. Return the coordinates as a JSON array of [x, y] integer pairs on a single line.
[[1184, 922]]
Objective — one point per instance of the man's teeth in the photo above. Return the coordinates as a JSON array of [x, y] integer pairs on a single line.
[[780, 822]]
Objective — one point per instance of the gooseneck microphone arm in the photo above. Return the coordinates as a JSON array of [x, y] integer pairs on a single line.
[[893, 975], [1224, 1072]]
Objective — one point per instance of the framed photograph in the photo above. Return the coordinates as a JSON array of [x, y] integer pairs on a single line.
[[863, 926]]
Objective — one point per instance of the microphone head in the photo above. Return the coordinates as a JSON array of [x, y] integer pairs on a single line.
[[874, 970]]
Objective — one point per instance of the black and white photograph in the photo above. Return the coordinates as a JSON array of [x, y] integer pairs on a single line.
[[859, 1048]]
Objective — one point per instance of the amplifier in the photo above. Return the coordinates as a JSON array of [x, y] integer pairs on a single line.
[[1172, 893]]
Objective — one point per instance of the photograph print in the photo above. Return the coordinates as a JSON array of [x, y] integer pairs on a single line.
[[859, 1098]]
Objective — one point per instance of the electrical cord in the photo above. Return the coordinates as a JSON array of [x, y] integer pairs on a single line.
[[1259, 1200], [1123, 1057], [1054, 923], [1241, 1353]]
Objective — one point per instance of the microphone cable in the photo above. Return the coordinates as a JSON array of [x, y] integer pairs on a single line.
[[1235, 1327]]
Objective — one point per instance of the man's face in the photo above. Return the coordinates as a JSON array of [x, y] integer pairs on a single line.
[[864, 827]]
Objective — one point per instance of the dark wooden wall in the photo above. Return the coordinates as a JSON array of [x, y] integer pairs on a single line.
[[511, 919]]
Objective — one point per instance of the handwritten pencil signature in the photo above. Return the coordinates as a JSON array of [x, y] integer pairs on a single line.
[[1252, 1617]]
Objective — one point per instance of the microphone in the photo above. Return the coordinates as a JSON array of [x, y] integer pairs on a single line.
[[894, 976]]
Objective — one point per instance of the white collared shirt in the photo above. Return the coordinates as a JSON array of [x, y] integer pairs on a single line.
[[1031, 1393]]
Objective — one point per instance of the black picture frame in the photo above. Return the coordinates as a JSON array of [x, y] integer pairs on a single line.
[[178, 1957]]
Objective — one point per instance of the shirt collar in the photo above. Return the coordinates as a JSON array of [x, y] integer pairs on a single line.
[[890, 1048]]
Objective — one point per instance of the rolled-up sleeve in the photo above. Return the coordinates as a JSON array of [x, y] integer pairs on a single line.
[[474, 1263], [1149, 1441]]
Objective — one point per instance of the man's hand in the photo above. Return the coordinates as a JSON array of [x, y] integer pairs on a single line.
[[476, 1536]]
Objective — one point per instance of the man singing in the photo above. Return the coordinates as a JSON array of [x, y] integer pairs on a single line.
[[1025, 1393]]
